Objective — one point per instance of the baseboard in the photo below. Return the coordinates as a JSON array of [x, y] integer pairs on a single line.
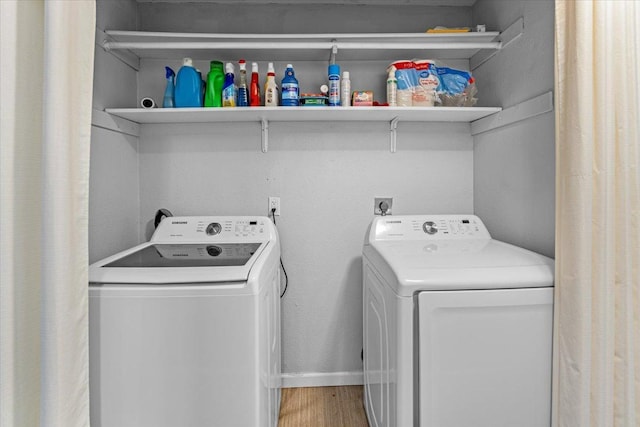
[[322, 379]]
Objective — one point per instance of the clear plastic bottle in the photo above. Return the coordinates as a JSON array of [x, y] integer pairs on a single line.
[[345, 90], [229, 90], [290, 88], [170, 89], [243, 89], [392, 88], [271, 88], [334, 85]]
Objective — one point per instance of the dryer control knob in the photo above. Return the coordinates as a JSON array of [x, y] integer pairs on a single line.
[[214, 250], [430, 227], [214, 228]]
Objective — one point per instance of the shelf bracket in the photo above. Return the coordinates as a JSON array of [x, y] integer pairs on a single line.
[[393, 126], [104, 41], [265, 135], [334, 52]]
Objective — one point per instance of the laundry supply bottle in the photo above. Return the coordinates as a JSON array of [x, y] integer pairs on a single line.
[[392, 88], [243, 90], [271, 88], [188, 92], [254, 87], [229, 89], [168, 101], [334, 85], [290, 88], [345, 90], [215, 83]]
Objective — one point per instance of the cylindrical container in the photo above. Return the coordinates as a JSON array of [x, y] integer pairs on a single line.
[[392, 88], [188, 91], [345, 89], [215, 83], [147, 103], [271, 88], [229, 89], [334, 85], [290, 88]]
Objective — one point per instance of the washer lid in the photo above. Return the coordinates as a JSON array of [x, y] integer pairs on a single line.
[[459, 264], [157, 263]]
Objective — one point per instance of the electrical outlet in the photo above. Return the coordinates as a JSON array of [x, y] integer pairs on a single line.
[[380, 203], [274, 203]]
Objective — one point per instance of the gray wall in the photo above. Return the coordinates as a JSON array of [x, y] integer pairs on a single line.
[[114, 206], [514, 166], [326, 174]]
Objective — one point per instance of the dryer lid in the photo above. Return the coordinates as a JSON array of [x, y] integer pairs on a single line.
[[461, 264]]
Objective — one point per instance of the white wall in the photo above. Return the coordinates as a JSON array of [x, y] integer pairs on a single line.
[[514, 166], [113, 185]]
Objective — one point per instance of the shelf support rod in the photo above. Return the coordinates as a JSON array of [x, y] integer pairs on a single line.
[[393, 126], [265, 135]]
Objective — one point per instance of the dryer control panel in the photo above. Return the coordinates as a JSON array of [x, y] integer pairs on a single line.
[[427, 227], [214, 228]]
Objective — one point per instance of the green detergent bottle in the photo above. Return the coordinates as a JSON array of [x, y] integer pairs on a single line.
[[215, 83]]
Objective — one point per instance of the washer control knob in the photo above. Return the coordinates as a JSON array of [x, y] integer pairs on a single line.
[[430, 227], [213, 229]]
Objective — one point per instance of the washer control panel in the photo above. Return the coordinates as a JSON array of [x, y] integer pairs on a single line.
[[204, 229], [428, 227]]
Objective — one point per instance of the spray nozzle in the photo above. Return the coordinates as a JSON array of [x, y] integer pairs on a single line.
[[169, 72]]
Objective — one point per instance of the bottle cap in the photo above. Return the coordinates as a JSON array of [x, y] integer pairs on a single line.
[[229, 68], [345, 74], [334, 69], [243, 64], [188, 62], [216, 65], [270, 69], [289, 66], [168, 72], [254, 67], [324, 89]]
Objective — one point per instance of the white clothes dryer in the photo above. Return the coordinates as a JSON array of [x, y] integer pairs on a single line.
[[185, 330], [457, 326]]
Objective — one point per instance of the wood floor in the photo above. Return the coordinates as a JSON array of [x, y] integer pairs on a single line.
[[322, 407]]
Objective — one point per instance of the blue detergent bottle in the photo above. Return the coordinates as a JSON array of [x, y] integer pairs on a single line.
[[290, 88], [188, 92], [169, 93]]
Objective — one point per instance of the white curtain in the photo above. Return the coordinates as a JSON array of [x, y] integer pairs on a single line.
[[597, 337], [46, 80]]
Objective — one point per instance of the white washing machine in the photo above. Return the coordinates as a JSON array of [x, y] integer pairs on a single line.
[[185, 330], [457, 326]]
